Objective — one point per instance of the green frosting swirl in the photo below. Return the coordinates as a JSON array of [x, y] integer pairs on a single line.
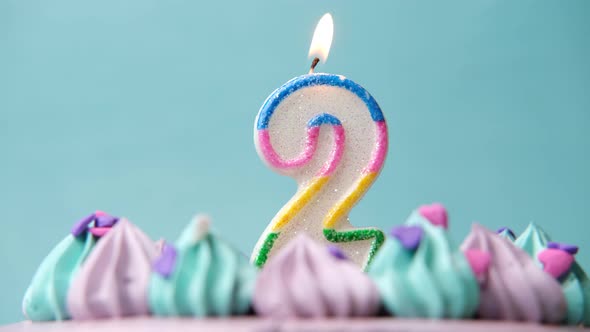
[[434, 281], [210, 278], [45, 299], [575, 284]]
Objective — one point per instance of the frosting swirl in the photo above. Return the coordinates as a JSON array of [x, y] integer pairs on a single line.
[[506, 233], [305, 280], [513, 287], [429, 279], [201, 276], [575, 283], [113, 280], [45, 298]]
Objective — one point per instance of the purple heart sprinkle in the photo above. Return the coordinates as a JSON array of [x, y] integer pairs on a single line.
[[106, 220], [409, 236], [569, 248], [336, 252], [164, 265], [82, 225], [508, 230]]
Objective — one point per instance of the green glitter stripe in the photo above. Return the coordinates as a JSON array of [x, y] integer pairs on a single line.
[[265, 249], [358, 235]]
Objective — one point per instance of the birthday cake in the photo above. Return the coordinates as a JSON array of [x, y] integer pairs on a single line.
[[107, 268], [310, 262], [330, 135]]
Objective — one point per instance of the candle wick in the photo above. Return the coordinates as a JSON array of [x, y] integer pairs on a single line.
[[313, 64]]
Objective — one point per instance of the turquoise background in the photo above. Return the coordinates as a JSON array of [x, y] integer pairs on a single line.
[[145, 109]]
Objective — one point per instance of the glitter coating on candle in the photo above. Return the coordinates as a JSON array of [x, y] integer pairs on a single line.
[[329, 134]]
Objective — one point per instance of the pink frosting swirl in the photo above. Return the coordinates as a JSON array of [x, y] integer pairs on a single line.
[[113, 282], [305, 280], [513, 287]]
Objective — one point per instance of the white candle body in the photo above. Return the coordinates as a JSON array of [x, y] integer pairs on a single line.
[[288, 128]]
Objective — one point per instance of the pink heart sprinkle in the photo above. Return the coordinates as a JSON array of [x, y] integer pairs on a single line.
[[479, 261], [435, 213], [99, 231], [99, 213], [556, 262]]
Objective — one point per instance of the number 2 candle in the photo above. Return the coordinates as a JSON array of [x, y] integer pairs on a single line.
[[329, 134]]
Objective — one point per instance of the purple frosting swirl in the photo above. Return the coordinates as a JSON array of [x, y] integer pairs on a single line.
[[514, 287], [305, 280]]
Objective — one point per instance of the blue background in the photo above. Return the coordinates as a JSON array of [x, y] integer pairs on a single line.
[[145, 109]]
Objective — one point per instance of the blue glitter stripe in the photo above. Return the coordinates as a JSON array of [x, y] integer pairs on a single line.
[[273, 101], [323, 118]]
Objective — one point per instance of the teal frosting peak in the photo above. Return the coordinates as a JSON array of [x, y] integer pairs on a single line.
[[507, 234], [45, 299], [208, 278], [533, 240], [575, 284], [434, 280]]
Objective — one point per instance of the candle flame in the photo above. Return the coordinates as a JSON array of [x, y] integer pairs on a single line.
[[322, 38]]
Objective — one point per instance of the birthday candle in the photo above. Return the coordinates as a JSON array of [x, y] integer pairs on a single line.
[[329, 134]]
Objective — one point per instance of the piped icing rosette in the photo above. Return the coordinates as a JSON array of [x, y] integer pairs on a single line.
[[306, 279], [201, 275], [512, 286], [421, 273], [45, 298], [558, 260], [113, 281]]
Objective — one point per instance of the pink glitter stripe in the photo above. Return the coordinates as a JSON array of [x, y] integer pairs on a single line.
[[380, 149], [336, 154], [310, 147], [276, 161]]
